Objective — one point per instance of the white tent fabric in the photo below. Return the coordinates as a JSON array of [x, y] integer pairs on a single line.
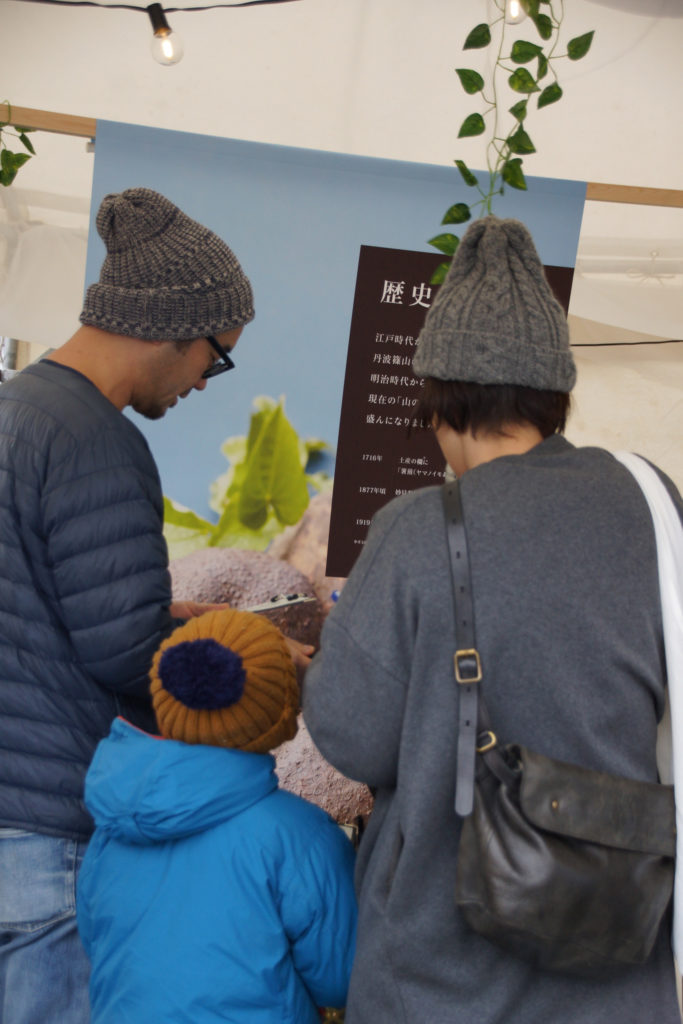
[[651, 305], [41, 295]]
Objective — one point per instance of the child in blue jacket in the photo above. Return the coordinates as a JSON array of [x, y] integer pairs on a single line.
[[207, 893]]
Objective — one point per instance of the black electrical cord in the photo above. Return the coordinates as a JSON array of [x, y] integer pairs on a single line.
[[626, 344], [167, 10]]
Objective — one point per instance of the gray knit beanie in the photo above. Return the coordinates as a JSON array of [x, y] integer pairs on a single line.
[[165, 277], [495, 319]]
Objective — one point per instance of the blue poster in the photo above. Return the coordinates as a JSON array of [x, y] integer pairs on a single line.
[[297, 220]]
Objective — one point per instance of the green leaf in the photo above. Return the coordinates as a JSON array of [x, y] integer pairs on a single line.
[[519, 110], [531, 7], [479, 36], [184, 531], [466, 173], [457, 214], [27, 142], [513, 174], [447, 244], [321, 481], [471, 81], [225, 486], [10, 164], [439, 274], [522, 51], [274, 477], [472, 125], [230, 532], [544, 25], [551, 94], [264, 407], [522, 81], [311, 446], [542, 67], [579, 47], [519, 142]]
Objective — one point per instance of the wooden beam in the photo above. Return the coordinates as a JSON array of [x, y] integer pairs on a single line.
[[47, 121], [69, 124], [634, 194]]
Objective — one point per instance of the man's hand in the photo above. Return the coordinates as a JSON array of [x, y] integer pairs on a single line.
[[301, 653], [190, 609], [301, 656]]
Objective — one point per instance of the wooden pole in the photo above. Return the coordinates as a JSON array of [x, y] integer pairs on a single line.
[[47, 121], [69, 124], [634, 194]]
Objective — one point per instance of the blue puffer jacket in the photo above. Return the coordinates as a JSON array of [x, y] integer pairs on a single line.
[[207, 894], [84, 589]]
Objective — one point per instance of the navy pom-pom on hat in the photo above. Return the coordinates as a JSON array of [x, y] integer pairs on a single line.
[[203, 674]]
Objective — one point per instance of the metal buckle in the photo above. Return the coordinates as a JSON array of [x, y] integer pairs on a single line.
[[469, 653], [490, 743]]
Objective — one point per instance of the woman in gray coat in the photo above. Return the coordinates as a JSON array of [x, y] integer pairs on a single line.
[[567, 609]]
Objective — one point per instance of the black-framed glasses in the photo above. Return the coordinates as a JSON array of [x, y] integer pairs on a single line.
[[221, 365]]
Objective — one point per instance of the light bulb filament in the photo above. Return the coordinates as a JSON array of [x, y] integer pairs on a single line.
[[167, 48], [515, 11]]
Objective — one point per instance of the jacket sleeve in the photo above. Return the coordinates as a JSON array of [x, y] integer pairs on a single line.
[[319, 913], [108, 561]]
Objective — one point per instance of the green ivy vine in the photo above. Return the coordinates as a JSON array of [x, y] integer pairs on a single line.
[[531, 73], [10, 162]]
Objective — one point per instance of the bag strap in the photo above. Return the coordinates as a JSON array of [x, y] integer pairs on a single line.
[[466, 660], [669, 538]]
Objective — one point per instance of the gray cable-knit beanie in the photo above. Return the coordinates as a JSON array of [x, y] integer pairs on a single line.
[[165, 277], [495, 319]]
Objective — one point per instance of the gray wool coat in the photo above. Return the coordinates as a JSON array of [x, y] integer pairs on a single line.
[[568, 620]]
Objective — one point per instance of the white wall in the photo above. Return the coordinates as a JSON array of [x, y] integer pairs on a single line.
[[371, 77]]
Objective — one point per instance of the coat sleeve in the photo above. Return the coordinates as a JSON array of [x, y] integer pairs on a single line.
[[108, 561], [319, 913], [355, 689]]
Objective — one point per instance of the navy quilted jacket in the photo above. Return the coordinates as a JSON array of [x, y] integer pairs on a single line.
[[84, 589]]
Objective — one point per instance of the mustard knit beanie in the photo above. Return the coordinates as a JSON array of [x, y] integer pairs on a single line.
[[226, 679]]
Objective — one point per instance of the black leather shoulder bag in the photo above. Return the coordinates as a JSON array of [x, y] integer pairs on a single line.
[[569, 869]]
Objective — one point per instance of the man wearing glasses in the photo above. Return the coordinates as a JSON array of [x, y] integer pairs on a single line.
[[85, 594]]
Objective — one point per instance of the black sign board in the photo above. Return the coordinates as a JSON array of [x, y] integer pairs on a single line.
[[383, 450]]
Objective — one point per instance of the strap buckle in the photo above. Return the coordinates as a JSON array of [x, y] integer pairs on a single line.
[[467, 666], [486, 741]]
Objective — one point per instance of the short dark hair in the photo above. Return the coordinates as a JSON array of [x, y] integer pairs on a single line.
[[491, 407], [183, 343]]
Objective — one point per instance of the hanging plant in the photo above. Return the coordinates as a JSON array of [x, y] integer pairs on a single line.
[[531, 75], [10, 162]]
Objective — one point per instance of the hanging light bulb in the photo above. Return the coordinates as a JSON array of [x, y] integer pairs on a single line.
[[515, 11], [166, 46]]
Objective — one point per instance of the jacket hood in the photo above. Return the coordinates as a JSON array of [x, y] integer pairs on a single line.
[[145, 789]]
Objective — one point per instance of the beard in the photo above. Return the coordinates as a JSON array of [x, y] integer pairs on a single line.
[[150, 410]]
